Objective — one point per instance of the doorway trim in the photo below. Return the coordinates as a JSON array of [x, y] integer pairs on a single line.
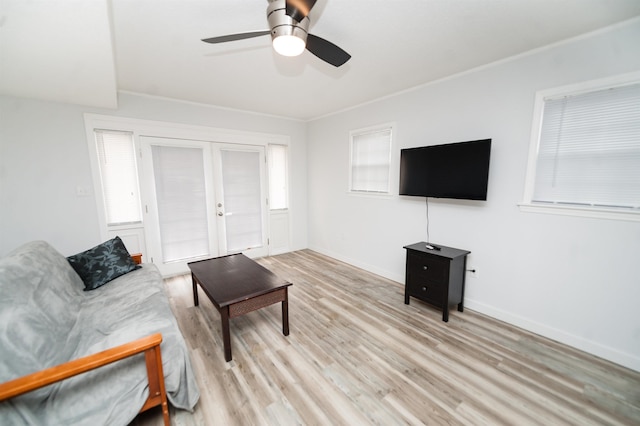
[[161, 129]]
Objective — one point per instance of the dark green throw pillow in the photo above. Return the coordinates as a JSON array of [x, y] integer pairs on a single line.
[[103, 263]]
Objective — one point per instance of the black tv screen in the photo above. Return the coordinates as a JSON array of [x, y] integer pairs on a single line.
[[456, 170]]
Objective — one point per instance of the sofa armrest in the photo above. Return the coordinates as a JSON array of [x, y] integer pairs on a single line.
[[150, 345], [137, 258]]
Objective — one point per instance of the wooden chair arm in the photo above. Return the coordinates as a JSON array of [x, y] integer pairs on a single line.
[[150, 345], [137, 258]]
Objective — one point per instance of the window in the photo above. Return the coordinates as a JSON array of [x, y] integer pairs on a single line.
[[119, 176], [371, 161], [278, 185], [587, 151]]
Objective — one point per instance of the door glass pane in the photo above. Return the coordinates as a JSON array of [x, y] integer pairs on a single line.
[[242, 200], [182, 204]]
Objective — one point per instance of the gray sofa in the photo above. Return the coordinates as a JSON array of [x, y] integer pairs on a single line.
[[47, 319]]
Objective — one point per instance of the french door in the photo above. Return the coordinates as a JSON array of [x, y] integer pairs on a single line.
[[202, 199]]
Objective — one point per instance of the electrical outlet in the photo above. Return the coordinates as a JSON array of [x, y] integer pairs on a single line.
[[83, 191]]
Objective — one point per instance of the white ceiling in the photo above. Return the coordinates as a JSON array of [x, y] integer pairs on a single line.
[[85, 51]]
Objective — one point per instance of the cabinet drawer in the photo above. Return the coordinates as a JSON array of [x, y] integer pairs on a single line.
[[422, 268], [428, 291]]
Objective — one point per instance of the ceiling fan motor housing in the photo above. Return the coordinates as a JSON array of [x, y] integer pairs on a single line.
[[282, 24], [289, 26]]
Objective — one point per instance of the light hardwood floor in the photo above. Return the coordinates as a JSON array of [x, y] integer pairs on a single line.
[[358, 355]]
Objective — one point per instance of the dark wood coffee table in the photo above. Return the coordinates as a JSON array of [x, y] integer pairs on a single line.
[[237, 285]]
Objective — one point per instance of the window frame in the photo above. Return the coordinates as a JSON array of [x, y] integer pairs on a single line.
[[391, 128], [529, 206], [162, 129]]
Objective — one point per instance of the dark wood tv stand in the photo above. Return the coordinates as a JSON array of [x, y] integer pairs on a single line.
[[436, 276]]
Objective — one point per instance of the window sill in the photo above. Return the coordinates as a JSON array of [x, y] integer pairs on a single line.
[[371, 194], [592, 212], [122, 226]]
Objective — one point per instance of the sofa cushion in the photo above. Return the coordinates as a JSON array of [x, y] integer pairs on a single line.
[[102, 263], [40, 297], [46, 318]]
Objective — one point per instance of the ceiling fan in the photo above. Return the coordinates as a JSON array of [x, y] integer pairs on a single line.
[[289, 23]]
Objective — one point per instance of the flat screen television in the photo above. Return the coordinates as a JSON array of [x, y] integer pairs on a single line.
[[456, 170]]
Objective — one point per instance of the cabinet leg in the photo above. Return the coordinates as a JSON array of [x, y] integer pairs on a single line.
[[445, 314], [461, 307]]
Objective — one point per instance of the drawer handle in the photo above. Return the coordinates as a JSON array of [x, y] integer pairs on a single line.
[[424, 289], [424, 268]]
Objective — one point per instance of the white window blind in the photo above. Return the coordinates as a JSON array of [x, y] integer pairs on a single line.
[[278, 188], [371, 161], [119, 176], [589, 149], [242, 199], [182, 203]]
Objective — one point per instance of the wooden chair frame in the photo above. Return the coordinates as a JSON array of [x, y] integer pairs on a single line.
[[150, 345]]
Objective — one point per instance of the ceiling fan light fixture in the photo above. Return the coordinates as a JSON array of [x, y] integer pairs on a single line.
[[289, 29], [288, 36], [289, 45]]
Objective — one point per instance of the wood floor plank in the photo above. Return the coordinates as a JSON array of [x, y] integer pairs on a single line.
[[356, 354]]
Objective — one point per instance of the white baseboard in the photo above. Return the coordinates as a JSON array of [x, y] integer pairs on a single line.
[[371, 268], [278, 251], [622, 358]]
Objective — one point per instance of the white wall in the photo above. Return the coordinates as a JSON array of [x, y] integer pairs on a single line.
[[573, 279], [44, 158]]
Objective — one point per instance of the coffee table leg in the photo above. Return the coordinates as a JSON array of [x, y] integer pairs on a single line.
[[195, 290], [226, 336], [285, 313]]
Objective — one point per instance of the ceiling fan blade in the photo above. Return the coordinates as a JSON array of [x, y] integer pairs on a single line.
[[234, 37], [299, 9], [326, 50]]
